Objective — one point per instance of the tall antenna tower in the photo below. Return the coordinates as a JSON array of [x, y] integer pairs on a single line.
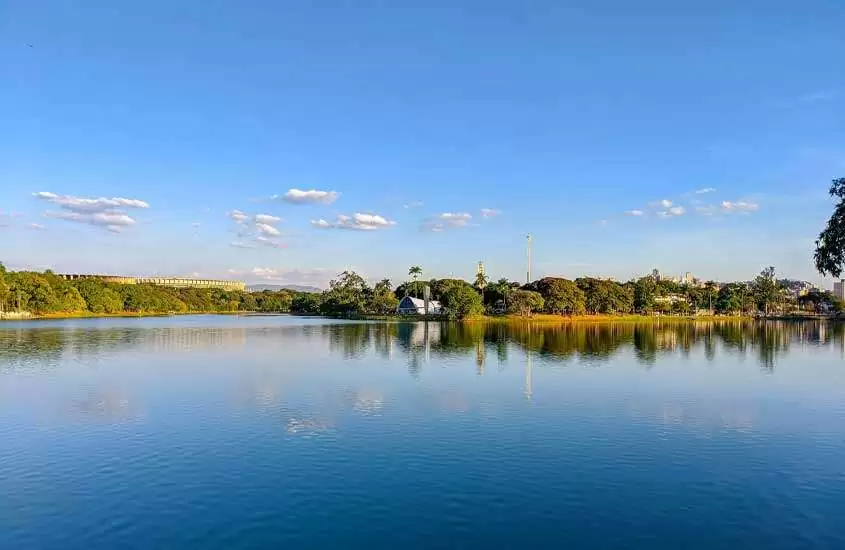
[[528, 271]]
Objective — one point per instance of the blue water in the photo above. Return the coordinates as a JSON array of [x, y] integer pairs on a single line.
[[281, 432]]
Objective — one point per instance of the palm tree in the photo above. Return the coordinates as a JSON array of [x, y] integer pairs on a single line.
[[415, 272], [481, 282]]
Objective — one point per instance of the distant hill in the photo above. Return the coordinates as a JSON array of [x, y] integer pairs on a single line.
[[295, 288]]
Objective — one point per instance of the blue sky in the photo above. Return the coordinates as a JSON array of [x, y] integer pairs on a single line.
[[558, 117]]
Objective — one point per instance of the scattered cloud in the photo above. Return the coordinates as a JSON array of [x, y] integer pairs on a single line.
[[238, 216], [740, 206], [259, 229], [704, 190], [35, 226], [112, 221], [665, 203], [634, 213], [414, 204], [672, 211], [446, 220], [708, 210], [196, 224], [490, 212], [269, 242], [267, 218], [357, 221], [312, 196], [265, 229], [80, 204], [100, 212]]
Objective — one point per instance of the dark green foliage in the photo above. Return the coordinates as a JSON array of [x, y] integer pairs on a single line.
[[766, 290], [461, 301], [306, 303], [560, 296], [47, 293], [381, 300], [645, 290], [830, 246], [604, 296], [732, 298], [524, 302]]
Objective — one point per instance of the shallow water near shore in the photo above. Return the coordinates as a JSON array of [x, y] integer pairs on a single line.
[[252, 432]]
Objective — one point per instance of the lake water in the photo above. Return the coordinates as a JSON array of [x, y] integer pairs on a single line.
[[280, 432]]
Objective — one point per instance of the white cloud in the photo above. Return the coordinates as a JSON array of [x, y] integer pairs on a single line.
[[601, 222], [80, 204], [708, 210], [267, 218], [99, 212], [705, 190], [446, 220], [113, 221], [312, 196], [269, 242], [634, 213], [740, 206], [36, 226], [238, 216], [267, 230], [196, 224], [414, 204], [357, 221], [672, 212], [665, 203], [490, 212], [260, 229]]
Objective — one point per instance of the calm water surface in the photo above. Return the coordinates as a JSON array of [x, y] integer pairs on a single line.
[[279, 432]]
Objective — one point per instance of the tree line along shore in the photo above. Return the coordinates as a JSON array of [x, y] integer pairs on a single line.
[[43, 294]]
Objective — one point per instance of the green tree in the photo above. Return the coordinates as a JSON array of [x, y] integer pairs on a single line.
[[307, 303], [99, 298], [830, 246], [415, 272], [732, 298], [524, 302], [5, 292], [462, 301], [346, 295], [481, 281], [645, 290], [766, 289], [561, 296], [382, 300]]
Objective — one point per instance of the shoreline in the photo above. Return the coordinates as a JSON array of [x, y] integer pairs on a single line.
[[539, 319]]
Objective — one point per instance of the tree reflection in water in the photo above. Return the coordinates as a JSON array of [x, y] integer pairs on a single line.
[[419, 343]]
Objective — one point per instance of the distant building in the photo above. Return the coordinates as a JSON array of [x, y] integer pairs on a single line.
[[174, 282], [415, 306], [839, 289]]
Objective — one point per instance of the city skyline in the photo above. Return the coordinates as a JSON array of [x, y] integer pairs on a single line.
[[283, 146]]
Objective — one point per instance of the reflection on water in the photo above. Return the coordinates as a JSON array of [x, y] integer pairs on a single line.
[[419, 342], [282, 432]]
